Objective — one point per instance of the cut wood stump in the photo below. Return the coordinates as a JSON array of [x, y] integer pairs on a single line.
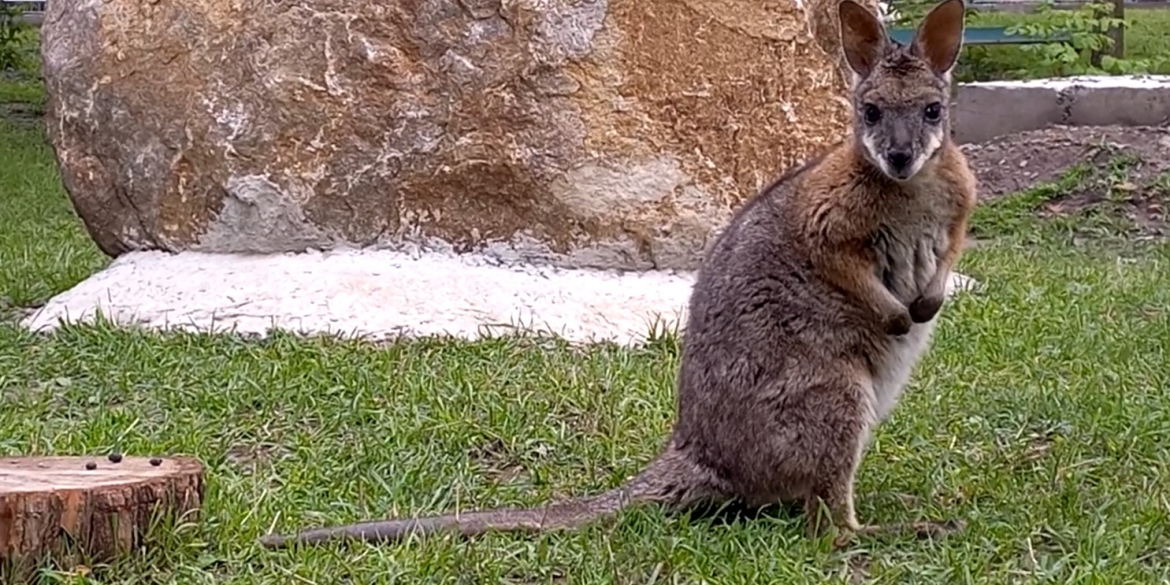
[[82, 510]]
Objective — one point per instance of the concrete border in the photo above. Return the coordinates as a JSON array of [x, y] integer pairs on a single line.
[[379, 295], [34, 19], [986, 110], [33, 13]]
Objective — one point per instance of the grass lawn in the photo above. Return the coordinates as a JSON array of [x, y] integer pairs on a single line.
[[1041, 417]]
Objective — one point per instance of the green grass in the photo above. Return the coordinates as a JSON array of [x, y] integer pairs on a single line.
[[43, 247], [22, 91], [24, 86], [1040, 417]]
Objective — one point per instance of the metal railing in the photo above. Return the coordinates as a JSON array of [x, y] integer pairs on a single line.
[[33, 12]]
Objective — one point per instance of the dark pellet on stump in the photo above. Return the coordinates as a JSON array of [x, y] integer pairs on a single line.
[[91, 466], [115, 457], [156, 462]]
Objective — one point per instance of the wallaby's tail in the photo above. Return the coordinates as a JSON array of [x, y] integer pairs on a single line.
[[669, 480]]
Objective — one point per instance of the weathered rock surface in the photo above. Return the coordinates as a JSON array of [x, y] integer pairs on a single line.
[[615, 133]]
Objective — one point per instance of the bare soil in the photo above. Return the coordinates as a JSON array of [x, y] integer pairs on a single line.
[[1128, 166]]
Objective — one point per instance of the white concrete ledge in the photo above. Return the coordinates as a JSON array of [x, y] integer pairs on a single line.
[[376, 295], [1083, 81], [987, 110]]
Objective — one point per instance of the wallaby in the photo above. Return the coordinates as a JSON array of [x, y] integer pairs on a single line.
[[809, 311]]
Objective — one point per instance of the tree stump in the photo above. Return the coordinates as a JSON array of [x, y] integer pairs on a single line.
[[75, 510]]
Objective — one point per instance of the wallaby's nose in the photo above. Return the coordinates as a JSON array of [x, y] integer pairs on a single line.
[[899, 159]]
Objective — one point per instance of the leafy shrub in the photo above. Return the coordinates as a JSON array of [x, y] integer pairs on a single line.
[[12, 33], [1087, 29], [1085, 51]]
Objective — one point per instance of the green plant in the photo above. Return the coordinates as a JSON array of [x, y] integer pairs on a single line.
[[12, 32], [1087, 29], [1147, 47], [909, 12]]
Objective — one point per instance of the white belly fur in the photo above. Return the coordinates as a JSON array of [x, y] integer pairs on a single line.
[[914, 263], [892, 370]]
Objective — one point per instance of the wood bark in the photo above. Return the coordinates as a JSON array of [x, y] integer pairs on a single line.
[[61, 511]]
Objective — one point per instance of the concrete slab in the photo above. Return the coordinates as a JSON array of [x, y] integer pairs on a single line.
[[375, 294], [986, 110]]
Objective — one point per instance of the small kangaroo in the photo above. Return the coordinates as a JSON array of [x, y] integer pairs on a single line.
[[808, 314]]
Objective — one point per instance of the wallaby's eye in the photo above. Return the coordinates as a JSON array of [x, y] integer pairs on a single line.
[[933, 112], [872, 114]]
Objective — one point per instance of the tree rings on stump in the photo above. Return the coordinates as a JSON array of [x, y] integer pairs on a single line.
[[66, 511]]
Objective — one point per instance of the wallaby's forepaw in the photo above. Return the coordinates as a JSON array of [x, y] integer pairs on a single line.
[[925, 307], [898, 323]]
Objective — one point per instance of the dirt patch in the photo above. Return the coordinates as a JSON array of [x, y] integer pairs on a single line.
[[1016, 162], [497, 463], [248, 458], [1128, 167]]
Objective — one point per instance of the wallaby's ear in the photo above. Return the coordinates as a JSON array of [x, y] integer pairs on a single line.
[[863, 38], [940, 36]]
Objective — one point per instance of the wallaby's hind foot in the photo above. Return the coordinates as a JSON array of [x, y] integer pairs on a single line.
[[921, 529]]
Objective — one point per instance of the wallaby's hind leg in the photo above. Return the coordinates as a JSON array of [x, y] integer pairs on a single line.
[[831, 509], [818, 439], [832, 444], [829, 503]]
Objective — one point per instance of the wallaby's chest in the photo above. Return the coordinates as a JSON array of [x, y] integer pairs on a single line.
[[908, 244], [908, 248]]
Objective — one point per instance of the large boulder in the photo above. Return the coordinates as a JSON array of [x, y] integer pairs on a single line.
[[606, 133]]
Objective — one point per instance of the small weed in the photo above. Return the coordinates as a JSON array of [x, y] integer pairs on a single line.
[[1102, 202]]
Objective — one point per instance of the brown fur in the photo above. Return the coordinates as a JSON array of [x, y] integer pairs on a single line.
[[809, 313]]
